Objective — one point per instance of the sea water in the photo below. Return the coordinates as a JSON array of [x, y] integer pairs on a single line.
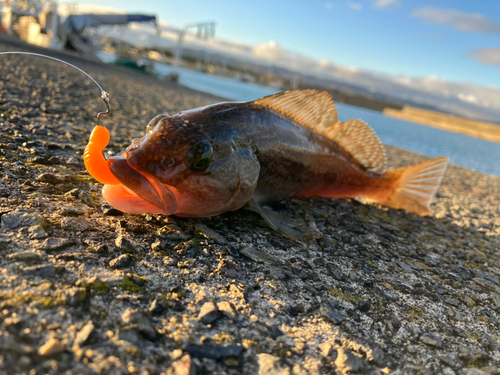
[[469, 152]]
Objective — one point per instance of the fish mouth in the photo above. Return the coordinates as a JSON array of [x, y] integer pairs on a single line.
[[138, 192]]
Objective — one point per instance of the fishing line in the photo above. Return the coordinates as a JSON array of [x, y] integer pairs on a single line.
[[104, 94]]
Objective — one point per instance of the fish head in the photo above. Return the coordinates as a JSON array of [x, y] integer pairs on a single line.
[[183, 166]]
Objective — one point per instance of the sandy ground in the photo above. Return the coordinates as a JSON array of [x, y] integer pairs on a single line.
[[86, 289]]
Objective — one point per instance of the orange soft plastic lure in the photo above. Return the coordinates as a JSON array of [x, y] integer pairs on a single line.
[[94, 159]]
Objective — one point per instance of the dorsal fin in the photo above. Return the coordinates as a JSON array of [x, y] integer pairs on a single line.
[[361, 142], [315, 110], [310, 108]]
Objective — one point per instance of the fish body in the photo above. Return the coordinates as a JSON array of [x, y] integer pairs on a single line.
[[219, 158]]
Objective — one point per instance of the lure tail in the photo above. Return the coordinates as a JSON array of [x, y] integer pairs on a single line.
[[414, 186]]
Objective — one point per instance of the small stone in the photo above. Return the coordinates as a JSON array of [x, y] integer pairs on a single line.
[[254, 318], [411, 349], [330, 312], [432, 340], [176, 354], [83, 335], [51, 347], [74, 224], [258, 256], [36, 232], [347, 361], [405, 267], [42, 271], [131, 335], [213, 352], [80, 195], [25, 256], [156, 307], [122, 261], [156, 246], [205, 231], [108, 210], [55, 179], [184, 366], [20, 218], [124, 245], [171, 232], [55, 244], [227, 310], [142, 321], [208, 313], [271, 365], [71, 211], [447, 360]]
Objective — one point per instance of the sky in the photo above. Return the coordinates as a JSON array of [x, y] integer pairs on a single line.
[[449, 47]]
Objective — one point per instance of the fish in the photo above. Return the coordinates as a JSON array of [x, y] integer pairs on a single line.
[[227, 156]]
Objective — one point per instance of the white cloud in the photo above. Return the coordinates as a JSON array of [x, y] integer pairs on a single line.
[[355, 6], [487, 55], [386, 3], [472, 22], [329, 6]]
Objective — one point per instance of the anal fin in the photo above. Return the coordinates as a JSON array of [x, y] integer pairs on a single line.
[[296, 229]]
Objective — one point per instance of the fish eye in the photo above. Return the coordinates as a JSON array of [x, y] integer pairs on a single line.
[[199, 156]]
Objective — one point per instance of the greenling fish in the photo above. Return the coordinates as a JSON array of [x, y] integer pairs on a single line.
[[222, 157]]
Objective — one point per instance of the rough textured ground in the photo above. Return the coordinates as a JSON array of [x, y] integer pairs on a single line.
[[85, 289]]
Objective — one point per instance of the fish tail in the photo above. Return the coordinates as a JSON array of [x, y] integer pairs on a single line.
[[414, 186]]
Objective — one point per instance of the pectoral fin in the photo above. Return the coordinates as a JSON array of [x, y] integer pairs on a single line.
[[296, 229]]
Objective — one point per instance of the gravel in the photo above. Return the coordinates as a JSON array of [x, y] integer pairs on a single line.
[[85, 289]]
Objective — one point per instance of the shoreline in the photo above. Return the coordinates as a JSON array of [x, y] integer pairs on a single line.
[[87, 289], [477, 129]]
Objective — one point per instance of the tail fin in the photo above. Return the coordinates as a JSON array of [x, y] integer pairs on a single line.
[[415, 185]]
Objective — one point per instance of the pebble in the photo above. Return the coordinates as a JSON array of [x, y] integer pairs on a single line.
[[331, 313], [140, 319], [20, 218], [55, 179], [184, 366], [432, 340], [42, 271], [208, 313], [258, 256], [227, 310], [210, 234], [74, 224], [122, 261], [348, 362], [36, 232], [254, 318], [81, 195], [83, 335], [124, 245], [55, 244], [271, 365], [25, 256], [213, 352], [108, 210], [51, 347], [71, 211]]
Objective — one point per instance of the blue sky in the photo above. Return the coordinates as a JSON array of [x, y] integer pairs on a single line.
[[414, 38]]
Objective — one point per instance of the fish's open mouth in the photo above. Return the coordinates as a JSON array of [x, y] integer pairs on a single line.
[[137, 192]]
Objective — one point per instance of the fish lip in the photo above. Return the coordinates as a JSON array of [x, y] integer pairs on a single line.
[[146, 187]]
